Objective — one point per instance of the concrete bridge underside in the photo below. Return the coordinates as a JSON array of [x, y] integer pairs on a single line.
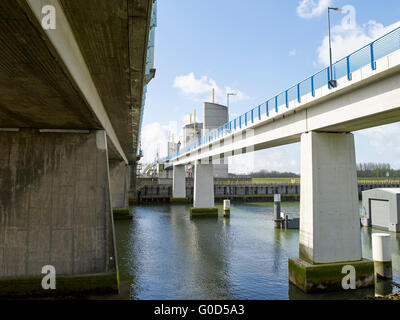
[[87, 74], [70, 105]]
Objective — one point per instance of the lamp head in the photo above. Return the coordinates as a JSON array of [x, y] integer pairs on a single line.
[[336, 9]]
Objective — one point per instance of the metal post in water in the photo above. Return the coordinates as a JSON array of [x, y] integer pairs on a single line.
[[227, 208], [382, 255], [277, 211]]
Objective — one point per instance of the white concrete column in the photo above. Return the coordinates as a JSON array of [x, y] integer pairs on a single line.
[[329, 209], [179, 182], [203, 186]]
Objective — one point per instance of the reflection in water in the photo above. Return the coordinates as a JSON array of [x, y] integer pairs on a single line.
[[166, 255], [277, 250]]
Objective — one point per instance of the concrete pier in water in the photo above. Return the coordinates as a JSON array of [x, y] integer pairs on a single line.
[[56, 210], [203, 200], [330, 234], [179, 185], [119, 185]]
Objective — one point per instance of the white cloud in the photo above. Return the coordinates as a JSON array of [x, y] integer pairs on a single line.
[[155, 139], [311, 8], [385, 142], [348, 36], [284, 158], [188, 84], [201, 89], [292, 52]]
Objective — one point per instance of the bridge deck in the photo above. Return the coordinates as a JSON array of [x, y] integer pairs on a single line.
[[87, 74]]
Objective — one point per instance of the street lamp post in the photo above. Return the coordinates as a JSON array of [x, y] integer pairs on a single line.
[[332, 82], [227, 98]]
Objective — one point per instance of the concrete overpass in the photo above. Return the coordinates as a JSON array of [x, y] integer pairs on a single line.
[[321, 116], [369, 99], [71, 102]]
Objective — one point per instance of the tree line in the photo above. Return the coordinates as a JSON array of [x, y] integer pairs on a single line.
[[364, 170], [267, 174], [372, 169]]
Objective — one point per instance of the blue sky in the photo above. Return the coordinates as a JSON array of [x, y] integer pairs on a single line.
[[256, 48]]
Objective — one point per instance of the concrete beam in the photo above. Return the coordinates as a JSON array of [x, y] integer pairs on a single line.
[[64, 46], [115, 53], [139, 25]]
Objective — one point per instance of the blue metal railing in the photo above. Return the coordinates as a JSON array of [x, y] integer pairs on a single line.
[[366, 55]]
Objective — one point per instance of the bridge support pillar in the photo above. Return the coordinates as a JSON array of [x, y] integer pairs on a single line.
[[179, 185], [330, 235], [132, 193], [203, 198], [55, 209], [133, 169], [119, 184]]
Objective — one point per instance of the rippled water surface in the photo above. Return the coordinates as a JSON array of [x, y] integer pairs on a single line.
[[166, 255]]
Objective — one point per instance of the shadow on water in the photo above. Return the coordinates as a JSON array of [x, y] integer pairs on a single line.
[[167, 255], [126, 237]]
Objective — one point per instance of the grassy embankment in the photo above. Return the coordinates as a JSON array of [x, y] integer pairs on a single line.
[[297, 180]]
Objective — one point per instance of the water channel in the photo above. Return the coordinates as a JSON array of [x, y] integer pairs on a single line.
[[166, 255]]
